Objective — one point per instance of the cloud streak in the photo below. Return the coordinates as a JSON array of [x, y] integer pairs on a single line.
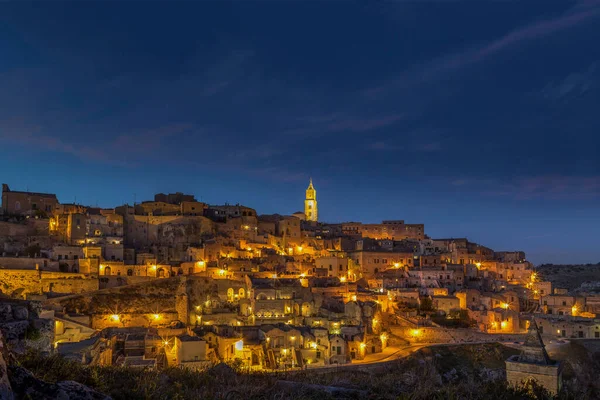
[[339, 122], [553, 187], [458, 60], [117, 152]]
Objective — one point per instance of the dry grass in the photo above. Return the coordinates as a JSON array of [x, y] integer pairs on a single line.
[[452, 372]]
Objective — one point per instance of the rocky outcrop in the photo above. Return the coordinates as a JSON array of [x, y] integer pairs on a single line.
[[22, 327], [6, 392], [18, 383], [26, 386]]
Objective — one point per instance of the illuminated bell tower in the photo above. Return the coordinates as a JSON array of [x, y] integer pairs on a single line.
[[310, 203]]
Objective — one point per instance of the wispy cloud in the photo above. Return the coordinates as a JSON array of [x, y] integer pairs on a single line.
[[340, 122], [116, 152], [450, 62], [277, 174], [575, 84], [431, 146], [549, 187], [540, 236], [383, 146], [149, 140]]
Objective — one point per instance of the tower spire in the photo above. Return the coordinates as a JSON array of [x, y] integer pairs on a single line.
[[311, 212]]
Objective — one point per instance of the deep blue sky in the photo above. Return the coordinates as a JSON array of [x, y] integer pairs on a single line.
[[479, 119]]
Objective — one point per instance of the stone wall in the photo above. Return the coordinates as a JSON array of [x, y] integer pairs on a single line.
[[10, 229], [28, 263], [180, 296], [102, 321], [20, 283], [442, 335], [549, 376]]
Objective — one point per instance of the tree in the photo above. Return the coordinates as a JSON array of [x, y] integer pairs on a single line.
[[426, 304]]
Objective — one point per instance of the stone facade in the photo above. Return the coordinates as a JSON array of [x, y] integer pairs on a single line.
[[22, 203], [534, 364], [20, 283], [549, 376]]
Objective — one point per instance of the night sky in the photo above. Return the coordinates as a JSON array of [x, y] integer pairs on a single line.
[[478, 119]]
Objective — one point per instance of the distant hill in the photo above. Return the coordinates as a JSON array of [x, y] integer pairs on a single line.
[[569, 276]]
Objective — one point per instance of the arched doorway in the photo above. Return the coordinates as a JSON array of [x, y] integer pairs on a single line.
[[107, 271]]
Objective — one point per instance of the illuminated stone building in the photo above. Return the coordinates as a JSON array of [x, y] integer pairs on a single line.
[[311, 210]]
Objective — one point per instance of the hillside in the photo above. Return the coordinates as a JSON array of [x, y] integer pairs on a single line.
[[473, 371], [569, 276]]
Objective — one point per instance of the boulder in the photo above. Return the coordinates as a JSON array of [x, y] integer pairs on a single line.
[[20, 313], [6, 314], [14, 330], [6, 392], [25, 385]]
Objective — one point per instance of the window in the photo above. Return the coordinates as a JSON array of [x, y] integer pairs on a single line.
[[564, 303], [17, 205]]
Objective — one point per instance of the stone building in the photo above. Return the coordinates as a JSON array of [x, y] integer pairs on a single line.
[[311, 211], [534, 364], [15, 202], [393, 230]]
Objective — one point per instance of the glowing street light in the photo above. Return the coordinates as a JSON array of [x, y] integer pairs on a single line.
[[115, 318]]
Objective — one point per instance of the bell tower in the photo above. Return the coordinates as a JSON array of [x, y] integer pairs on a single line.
[[310, 203]]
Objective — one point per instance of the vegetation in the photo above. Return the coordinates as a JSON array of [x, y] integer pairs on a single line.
[[32, 333], [33, 250], [445, 372]]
